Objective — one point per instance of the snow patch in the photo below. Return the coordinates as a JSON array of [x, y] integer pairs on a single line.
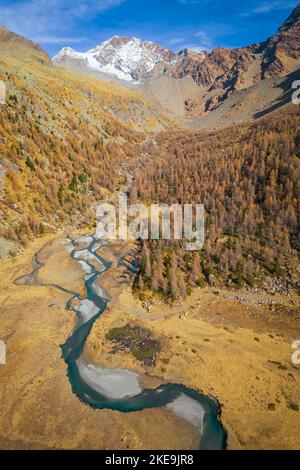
[[188, 409], [84, 240], [99, 291], [87, 310], [128, 59], [112, 383], [87, 269]]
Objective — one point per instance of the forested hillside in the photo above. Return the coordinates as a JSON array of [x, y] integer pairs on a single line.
[[248, 177], [64, 138]]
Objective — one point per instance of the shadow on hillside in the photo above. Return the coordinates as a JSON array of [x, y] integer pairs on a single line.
[[285, 97]]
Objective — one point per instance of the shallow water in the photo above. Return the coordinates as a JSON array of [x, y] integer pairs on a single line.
[[119, 389]]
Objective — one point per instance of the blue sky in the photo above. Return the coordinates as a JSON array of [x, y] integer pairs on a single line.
[[196, 24]]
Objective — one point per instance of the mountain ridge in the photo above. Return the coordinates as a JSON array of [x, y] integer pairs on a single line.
[[204, 66], [128, 58], [218, 73]]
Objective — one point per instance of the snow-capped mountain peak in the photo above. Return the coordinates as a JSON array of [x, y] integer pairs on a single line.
[[129, 59]]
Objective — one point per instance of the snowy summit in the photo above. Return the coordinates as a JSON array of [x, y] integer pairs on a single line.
[[129, 59]]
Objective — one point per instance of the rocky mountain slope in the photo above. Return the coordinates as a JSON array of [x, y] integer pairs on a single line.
[[224, 71], [16, 47], [218, 74], [281, 53], [248, 104], [128, 59]]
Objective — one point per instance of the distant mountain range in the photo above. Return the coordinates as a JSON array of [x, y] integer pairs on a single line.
[[128, 59], [219, 73]]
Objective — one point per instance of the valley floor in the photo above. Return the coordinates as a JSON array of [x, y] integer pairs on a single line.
[[234, 346]]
